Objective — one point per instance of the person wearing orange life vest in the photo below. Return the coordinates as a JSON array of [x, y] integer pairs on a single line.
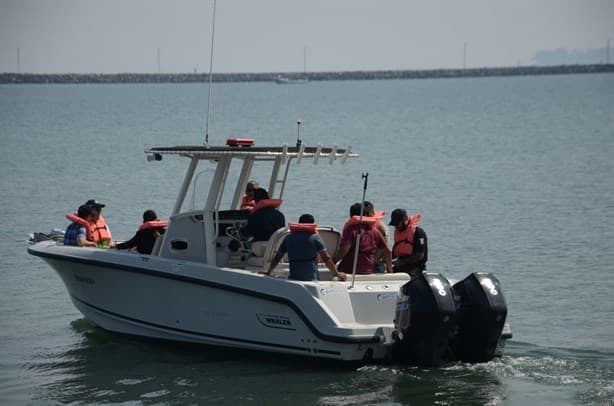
[[265, 218], [410, 243], [303, 245], [369, 242], [146, 236], [100, 232], [77, 232], [248, 203]]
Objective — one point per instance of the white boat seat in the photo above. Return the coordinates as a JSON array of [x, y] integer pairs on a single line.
[[331, 239], [263, 251], [259, 248]]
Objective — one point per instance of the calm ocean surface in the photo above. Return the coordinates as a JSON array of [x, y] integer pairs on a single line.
[[512, 175]]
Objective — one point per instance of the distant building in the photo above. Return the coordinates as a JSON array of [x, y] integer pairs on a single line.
[[563, 56]]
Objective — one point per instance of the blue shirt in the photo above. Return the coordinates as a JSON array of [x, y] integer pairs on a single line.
[[73, 233], [302, 249]]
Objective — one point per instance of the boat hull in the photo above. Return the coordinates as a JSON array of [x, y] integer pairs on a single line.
[[187, 301], [206, 305]]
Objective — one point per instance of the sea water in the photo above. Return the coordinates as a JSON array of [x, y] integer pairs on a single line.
[[512, 175]]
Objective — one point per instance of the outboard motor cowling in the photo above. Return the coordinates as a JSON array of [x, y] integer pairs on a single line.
[[425, 319], [481, 310]]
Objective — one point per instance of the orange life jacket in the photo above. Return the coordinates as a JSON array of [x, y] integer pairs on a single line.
[[83, 222], [154, 224], [261, 204], [310, 228], [247, 203], [100, 231], [404, 240], [96, 232], [380, 214], [367, 221]]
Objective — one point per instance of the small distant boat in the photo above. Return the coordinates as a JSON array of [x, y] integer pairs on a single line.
[[287, 80]]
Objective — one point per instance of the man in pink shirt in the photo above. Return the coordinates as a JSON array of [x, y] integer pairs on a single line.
[[370, 241]]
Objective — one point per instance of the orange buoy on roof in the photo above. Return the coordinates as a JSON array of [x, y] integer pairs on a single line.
[[239, 142]]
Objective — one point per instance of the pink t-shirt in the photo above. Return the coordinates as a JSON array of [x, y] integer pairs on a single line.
[[370, 241]]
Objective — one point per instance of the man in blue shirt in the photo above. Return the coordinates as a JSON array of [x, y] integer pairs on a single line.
[[76, 234], [303, 245]]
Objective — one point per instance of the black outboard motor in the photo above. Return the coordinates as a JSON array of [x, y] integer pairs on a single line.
[[425, 319], [481, 316]]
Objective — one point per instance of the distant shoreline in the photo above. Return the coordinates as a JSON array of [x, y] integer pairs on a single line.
[[75, 78]]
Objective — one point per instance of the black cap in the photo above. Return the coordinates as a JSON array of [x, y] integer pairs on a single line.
[[95, 203], [397, 216]]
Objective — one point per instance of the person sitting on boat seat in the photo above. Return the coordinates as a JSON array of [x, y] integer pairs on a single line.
[[303, 245], [146, 236], [370, 241], [265, 217], [248, 203], [410, 246], [76, 233], [100, 232]]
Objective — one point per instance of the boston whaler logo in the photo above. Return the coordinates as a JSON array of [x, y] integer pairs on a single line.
[[275, 321]]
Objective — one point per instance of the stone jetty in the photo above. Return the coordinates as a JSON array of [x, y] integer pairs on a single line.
[[72, 78]]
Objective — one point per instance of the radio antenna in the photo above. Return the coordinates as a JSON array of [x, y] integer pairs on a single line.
[[210, 77]]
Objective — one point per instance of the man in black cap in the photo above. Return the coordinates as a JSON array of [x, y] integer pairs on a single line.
[[410, 245], [144, 239], [100, 231]]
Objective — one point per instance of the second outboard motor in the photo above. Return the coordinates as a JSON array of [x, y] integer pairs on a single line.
[[481, 315], [425, 319]]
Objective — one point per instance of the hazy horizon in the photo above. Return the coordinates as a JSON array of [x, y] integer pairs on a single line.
[[85, 36]]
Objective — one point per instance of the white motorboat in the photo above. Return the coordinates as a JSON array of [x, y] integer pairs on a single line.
[[201, 283], [294, 79], [285, 80]]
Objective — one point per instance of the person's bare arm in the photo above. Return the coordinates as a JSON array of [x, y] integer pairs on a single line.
[[388, 259], [331, 265], [343, 251], [82, 242], [278, 256]]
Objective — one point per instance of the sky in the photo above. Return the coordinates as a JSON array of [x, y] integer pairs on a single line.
[[117, 36]]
